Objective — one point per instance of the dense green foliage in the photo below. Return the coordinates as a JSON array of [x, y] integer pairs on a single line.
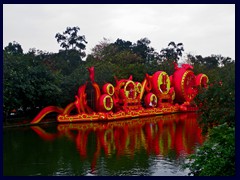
[[217, 156], [217, 106]]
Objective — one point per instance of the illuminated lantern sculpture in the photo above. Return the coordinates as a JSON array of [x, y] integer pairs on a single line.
[[106, 100], [105, 103], [184, 83], [161, 82], [161, 86], [202, 80], [150, 100], [156, 94], [130, 90], [108, 88]]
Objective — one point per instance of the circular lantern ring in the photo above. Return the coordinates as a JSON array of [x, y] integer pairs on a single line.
[[106, 102], [188, 85], [161, 82], [150, 100], [202, 80], [108, 89], [138, 87], [130, 90]]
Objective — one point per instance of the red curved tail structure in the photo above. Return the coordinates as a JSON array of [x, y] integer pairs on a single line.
[[46, 111], [69, 108]]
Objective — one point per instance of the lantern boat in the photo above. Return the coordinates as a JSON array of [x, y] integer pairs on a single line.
[[157, 94]]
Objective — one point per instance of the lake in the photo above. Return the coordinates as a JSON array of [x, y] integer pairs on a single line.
[[152, 146]]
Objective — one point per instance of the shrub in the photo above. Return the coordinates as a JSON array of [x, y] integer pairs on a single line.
[[217, 155]]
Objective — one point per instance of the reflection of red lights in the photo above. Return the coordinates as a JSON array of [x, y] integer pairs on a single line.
[[43, 134], [157, 135], [81, 142]]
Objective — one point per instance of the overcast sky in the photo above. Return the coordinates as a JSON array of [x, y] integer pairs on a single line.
[[204, 29]]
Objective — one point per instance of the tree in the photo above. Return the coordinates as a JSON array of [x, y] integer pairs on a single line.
[[169, 55], [120, 57], [71, 40], [226, 60], [210, 62], [98, 50], [28, 83], [123, 45], [173, 52], [13, 48], [143, 49]]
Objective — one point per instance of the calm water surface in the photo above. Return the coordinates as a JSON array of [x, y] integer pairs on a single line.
[[153, 146]]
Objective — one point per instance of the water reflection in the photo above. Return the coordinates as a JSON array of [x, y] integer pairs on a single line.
[[149, 146], [146, 146]]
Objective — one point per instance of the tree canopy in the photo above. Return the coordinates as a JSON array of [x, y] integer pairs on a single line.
[[70, 39], [13, 48]]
